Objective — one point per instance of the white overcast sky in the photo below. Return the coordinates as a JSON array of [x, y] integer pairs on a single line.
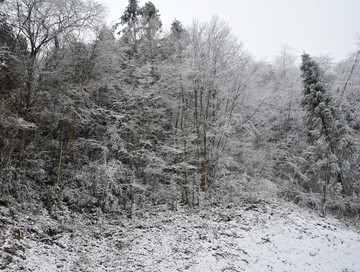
[[318, 27]]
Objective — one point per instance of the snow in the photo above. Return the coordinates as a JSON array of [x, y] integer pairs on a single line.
[[262, 236]]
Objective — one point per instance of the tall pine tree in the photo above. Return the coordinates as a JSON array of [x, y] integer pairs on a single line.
[[326, 129], [131, 12]]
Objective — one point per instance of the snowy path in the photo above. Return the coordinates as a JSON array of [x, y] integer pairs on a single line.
[[251, 237]]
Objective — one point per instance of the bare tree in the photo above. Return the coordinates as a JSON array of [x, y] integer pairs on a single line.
[[43, 23], [214, 63]]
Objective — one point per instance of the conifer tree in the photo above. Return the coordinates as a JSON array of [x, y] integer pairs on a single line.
[[326, 128], [131, 12], [149, 12], [150, 22], [130, 20], [177, 28]]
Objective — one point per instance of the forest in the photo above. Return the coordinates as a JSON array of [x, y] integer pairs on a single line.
[[132, 119], [116, 118]]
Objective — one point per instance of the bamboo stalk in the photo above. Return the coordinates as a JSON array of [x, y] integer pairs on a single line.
[[61, 151], [73, 126]]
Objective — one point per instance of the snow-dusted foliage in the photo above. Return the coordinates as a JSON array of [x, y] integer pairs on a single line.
[[121, 125], [334, 146]]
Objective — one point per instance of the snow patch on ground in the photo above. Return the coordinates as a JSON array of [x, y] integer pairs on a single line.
[[248, 237]]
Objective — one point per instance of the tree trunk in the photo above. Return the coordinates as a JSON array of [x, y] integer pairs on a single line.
[[178, 157], [27, 100]]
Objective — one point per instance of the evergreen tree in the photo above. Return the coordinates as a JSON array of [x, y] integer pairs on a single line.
[[149, 12], [150, 26], [177, 28], [326, 128], [131, 13], [130, 19]]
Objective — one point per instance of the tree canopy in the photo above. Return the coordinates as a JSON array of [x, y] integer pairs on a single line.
[[98, 121]]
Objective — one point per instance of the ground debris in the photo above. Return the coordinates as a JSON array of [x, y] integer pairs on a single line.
[[248, 237]]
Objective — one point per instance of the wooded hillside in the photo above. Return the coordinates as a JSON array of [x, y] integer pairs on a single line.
[[100, 119]]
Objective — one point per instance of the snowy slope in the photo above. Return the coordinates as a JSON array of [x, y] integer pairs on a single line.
[[248, 237]]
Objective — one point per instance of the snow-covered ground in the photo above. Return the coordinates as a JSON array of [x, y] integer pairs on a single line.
[[274, 236]]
